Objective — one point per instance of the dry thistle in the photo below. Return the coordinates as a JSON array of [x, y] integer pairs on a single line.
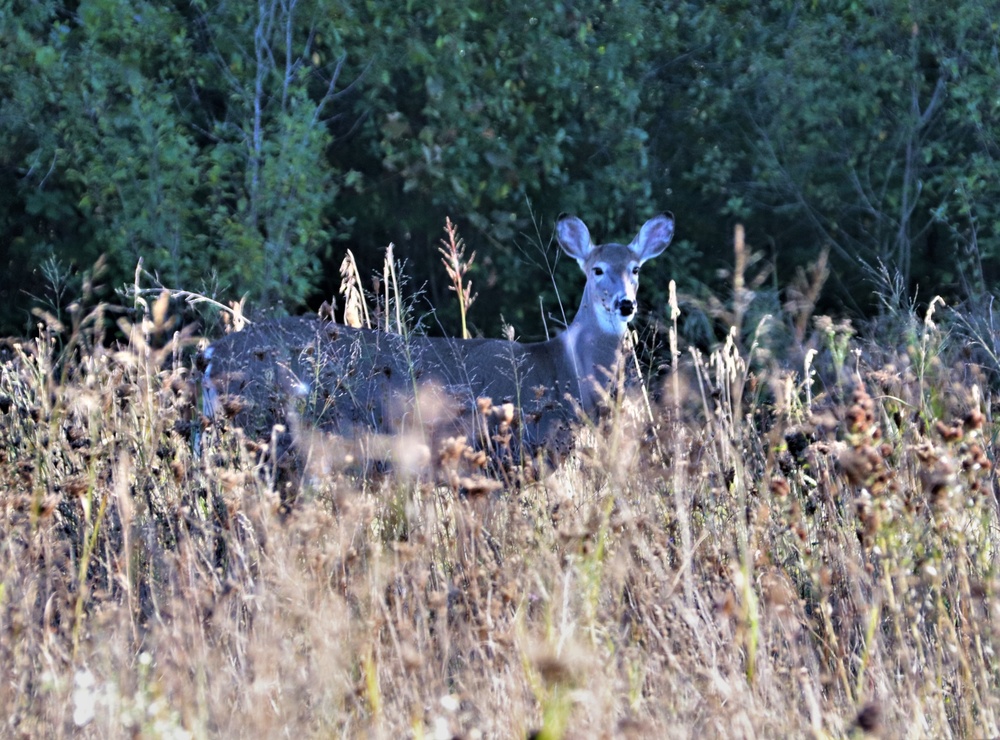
[[869, 719], [476, 458], [327, 311], [861, 415], [859, 464], [505, 413], [76, 486], [232, 406], [974, 420], [949, 432], [563, 668], [779, 487], [479, 485], [451, 451]]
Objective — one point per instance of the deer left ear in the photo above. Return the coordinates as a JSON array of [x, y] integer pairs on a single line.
[[574, 238], [654, 237]]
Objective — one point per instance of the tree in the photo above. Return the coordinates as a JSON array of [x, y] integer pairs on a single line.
[[498, 113], [862, 127], [193, 137], [231, 145]]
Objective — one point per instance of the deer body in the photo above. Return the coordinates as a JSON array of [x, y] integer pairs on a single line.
[[348, 380]]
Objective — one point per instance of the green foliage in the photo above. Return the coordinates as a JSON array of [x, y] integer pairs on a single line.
[[498, 114], [495, 101], [187, 137], [867, 128], [231, 145]]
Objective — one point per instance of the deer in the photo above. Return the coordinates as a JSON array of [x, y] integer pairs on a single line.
[[348, 381]]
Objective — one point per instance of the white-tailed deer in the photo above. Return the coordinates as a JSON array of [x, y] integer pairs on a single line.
[[348, 381]]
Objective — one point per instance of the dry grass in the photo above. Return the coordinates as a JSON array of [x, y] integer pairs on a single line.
[[753, 555]]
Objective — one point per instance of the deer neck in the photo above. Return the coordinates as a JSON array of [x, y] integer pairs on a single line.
[[593, 355]]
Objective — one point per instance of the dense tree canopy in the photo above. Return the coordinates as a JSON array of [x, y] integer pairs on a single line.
[[240, 147]]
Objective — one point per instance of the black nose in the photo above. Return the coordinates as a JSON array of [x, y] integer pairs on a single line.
[[626, 307]]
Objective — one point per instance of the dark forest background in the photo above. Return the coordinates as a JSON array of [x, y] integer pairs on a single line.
[[242, 147]]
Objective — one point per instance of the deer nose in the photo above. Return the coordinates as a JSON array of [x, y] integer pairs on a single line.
[[626, 307]]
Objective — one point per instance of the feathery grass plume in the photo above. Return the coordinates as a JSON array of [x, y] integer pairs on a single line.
[[355, 308], [452, 253]]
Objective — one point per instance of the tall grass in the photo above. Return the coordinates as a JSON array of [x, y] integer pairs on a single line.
[[753, 549]]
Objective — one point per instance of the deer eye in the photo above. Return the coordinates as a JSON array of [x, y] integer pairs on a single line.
[[635, 270], [598, 271]]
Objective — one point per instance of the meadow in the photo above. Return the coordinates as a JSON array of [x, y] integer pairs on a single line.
[[792, 532]]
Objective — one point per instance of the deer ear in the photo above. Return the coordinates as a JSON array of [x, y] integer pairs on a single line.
[[654, 236], [574, 238]]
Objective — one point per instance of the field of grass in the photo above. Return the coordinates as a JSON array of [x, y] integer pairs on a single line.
[[753, 548]]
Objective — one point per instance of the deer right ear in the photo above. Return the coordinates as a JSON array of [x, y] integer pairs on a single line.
[[574, 238], [654, 237]]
